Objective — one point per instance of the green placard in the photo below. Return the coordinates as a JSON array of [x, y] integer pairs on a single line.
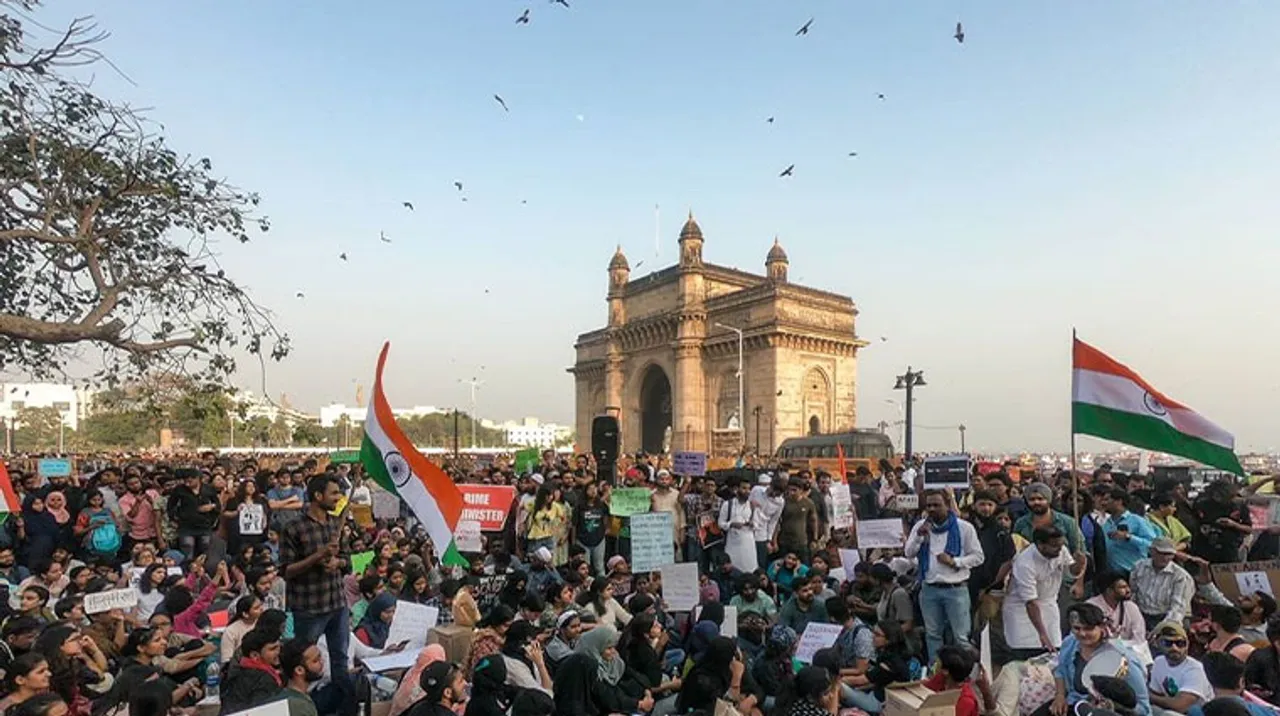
[[344, 457], [627, 501], [526, 460], [360, 562]]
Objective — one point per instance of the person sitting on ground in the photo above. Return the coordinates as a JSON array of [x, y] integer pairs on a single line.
[[1226, 676], [253, 680]]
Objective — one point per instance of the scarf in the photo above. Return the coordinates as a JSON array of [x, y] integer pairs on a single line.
[[249, 662], [952, 529], [60, 512], [593, 644], [372, 623], [410, 691]]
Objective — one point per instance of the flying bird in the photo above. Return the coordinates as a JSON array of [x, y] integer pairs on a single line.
[[880, 96], [789, 171], [299, 294], [458, 184], [524, 201], [853, 154], [504, 104], [383, 236], [343, 256], [524, 18], [959, 33], [804, 29], [408, 205], [560, 2], [769, 120]]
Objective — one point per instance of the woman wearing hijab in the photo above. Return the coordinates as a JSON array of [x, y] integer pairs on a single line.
[[55, 503], [718, 674], [376, 624], [586, 684], [525, 665], [410, 691], [38, 532], [490, 694], [561, 644], [773, 671], [513, 590]]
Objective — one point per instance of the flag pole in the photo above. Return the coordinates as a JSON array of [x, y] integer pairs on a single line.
[[1075, 475]]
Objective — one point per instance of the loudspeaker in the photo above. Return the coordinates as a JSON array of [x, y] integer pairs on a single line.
[[605, 438]]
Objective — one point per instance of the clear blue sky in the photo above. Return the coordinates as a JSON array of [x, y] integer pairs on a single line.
[[1107, 165]]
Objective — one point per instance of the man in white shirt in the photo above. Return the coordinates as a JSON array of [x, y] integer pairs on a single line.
[[945, 548], [1177, 681], [767, 500], [1030, 610]]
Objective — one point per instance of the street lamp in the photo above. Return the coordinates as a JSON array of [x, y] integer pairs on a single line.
[[742, 419], [962, 428], [908, 382], [474, 384], [757, 412]]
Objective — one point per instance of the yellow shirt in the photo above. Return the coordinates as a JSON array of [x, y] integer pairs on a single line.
[[548, 522]]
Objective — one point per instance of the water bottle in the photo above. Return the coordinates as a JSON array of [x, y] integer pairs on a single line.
[[211, 678]]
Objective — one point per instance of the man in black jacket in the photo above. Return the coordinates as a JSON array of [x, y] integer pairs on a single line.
[[195, 508], [253, 679]]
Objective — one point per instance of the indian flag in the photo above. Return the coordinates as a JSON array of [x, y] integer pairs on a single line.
[[8, 498], [1110, 401], [394, 463]]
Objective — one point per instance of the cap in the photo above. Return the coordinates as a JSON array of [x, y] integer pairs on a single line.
[[1170, 629], [614, 561], [542, 554], [565, 617], [764, 479], [435, 678], [1163, 545], [537, 478], [664, 472]]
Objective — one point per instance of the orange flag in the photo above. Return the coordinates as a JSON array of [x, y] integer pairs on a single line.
[[840, 466]]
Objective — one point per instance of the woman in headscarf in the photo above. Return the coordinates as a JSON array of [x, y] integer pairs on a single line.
[[410, 691], [586, 683], [490, 637], [38, 532], [55, 503], [773, 671], [706, 629], [376, 624], [513, 590], [490, 694], [561, 644], [526, 666], [718, 674]]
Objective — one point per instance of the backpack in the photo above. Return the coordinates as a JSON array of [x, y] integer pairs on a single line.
[[105, 540]]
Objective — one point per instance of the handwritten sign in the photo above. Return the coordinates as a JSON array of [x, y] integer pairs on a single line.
[[253, 518], [99, 602], [54, 467], [816, 636], [841, 507], [880, 533], [487, 505], [360, 561], [627, 501], [689, 463], [652, 540], [1231, 578], [526, 460], [680, 586], [467, 536], [386, 505], [362, 514], [1252, 582], [411, 623]]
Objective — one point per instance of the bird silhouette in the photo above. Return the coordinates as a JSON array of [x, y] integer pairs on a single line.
[[383, 236], [959, 33], [299, 294], [804, 29], [524, 18], [789, 171], [524, 201], [408, 205], [883, 339], [504, 104], [769, 120], [343, 256], [853, 154], [560, 2], [880, 96], [458, 184]]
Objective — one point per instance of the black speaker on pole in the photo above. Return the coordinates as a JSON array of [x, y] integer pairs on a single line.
[[605, 441]]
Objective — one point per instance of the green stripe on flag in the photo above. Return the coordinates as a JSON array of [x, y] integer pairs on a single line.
[[371, 458], [453, 558], [1151, 433]]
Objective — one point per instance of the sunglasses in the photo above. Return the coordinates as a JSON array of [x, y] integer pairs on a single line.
[[1167, 643]]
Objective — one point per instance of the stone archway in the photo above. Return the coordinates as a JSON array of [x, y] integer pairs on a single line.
[[817, 400], [815, 425], [655, 409]]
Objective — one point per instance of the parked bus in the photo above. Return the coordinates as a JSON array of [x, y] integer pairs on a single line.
[[862, 448]]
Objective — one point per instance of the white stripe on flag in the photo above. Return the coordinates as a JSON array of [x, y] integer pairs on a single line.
[[414, 492], [1108, 390]]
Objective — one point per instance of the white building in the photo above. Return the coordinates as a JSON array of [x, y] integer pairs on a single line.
[[331, 414], [532, 433], [72, 402], [261, 407]]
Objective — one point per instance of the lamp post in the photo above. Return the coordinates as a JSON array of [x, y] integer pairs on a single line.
[[757, 412], [908, 382], [474, 384], [962, 437], [742, 419]]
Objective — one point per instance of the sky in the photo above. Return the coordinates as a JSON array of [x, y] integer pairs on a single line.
[[1104, 166]]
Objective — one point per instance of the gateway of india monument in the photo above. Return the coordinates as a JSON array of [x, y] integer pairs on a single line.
[[666, 364]]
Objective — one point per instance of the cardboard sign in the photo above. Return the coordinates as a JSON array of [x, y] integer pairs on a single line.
[[906, 503], [680, 586], [486, 504], [362, 514], [652, 540], [1241, 578], [627, 501], [99, 602], [816, 636], [689, 463], [53, 467], [947, 471]]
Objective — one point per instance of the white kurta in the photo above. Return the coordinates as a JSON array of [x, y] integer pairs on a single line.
[[740, 543], [1034, 578]]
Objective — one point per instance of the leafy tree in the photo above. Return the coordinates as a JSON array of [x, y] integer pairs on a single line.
[[37, 430], [308, 434], [279, 434], [108, 237], [258, 430]]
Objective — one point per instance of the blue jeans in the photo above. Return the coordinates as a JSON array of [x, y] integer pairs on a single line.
[[336, 628], [943, 607], [595, 556], [860, 699]]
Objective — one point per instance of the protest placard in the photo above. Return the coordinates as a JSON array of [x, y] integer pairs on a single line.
[[98, 602], [467, 536], [253, 518], [627, 501], [360, 561], [680, 586], [53, 467], [816, 636], [841, 507], [947, 471], [880, 533], [487, 589], [689, 463], [386, 505], [486, 504], [652, 540], [411, 624]]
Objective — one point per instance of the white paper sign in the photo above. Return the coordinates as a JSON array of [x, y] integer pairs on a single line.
[[467, 537], [253, 518], [816, 636], [849, 558], [880, 533], [651, 541], [99, 602], [387, 662], [680, 586], [729, 627], [386, 506], [841, 507], [1250, 582], [906, 503], [838, 575], [411, 623]]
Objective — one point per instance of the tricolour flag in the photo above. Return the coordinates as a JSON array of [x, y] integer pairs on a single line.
[[8, 498], [1110, 401], [390, 458]]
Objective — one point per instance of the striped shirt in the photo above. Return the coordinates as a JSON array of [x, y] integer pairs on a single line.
[[1162, 593]]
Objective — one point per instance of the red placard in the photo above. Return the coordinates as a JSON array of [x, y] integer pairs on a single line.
[[487, 504]]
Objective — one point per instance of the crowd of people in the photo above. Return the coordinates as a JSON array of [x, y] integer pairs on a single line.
[[1028, 597]]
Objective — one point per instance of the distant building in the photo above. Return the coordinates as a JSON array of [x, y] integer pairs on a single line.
[[261, 407], [331, 414], [72, 402], [532, 433]]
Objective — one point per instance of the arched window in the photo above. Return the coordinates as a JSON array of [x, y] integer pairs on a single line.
[[815, 425]]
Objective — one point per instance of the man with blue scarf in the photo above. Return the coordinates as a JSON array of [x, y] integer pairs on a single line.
[[946, 548]]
